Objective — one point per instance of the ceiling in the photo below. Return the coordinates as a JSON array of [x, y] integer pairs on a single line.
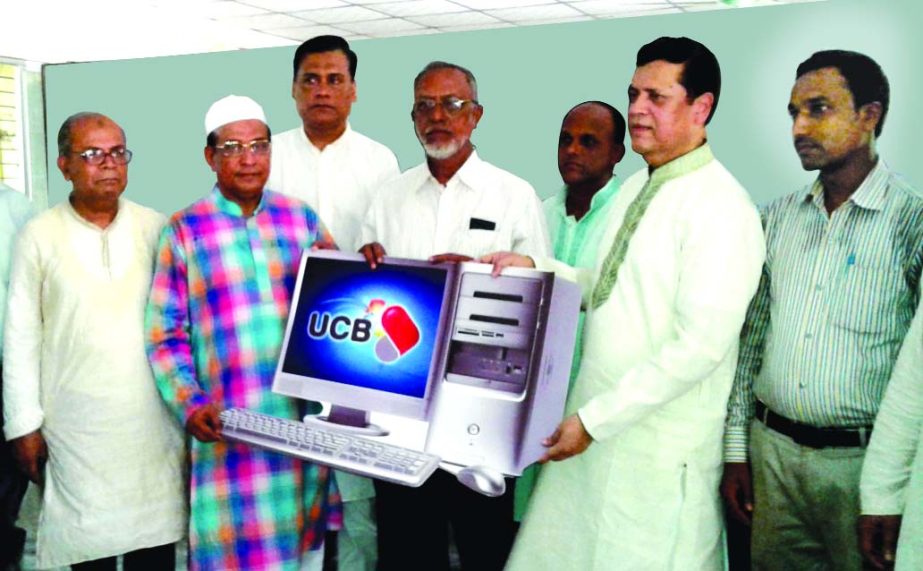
[[54, 31]]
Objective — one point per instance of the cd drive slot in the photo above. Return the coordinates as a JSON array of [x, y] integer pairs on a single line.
[[493, 319], [498, 296]]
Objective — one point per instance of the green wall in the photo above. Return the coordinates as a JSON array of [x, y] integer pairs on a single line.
[[528, 78]]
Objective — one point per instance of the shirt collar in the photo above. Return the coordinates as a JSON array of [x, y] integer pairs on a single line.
[[340, 142], [600, 199], [870, 194], [683, 165], [471, 174], [232, 208], [115, 221]]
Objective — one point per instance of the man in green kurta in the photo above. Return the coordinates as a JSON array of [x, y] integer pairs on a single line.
[[591, 143]]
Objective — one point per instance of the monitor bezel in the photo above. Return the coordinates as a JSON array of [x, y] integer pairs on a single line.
[[364, 398]]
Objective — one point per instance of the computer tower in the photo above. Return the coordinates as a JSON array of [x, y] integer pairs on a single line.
[[509, 351]]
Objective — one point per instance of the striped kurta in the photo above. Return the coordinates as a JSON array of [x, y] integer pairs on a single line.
[[215, 320], [835, 301]]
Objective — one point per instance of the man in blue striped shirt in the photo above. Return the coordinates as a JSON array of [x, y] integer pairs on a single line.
[[839, 289]]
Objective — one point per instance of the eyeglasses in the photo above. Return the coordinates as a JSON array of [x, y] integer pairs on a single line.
[[451, 106], [96, 157], [236, 148]]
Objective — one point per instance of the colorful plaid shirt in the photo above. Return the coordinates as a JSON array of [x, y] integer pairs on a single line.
[[214, 325]]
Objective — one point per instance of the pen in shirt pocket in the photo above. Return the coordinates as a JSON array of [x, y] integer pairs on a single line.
[[850, 262]]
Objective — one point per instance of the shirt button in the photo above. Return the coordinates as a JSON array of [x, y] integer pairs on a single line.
[[819, 287], [808, 336]]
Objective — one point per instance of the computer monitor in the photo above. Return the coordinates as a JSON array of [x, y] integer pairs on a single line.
[[366, 340]]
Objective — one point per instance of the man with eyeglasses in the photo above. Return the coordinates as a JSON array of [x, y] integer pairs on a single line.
[[452, 207], [80, 406], [216, 315], [336, 170]]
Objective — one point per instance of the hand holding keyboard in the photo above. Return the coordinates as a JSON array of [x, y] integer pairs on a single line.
[[330, 447]]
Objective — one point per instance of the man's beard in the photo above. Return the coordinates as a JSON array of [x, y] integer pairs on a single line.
[[440, 152]]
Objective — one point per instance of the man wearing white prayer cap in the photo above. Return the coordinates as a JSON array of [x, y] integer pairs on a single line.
[[215, 319]]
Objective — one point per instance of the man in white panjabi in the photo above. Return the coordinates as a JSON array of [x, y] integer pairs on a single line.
[[81, 408], [891, 487], [337, 171], [452, 207], [324, 162], [638, 458]]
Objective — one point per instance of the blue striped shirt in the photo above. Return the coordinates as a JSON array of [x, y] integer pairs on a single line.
[[834, 303]]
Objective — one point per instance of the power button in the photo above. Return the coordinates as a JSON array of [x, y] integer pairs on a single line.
[[474, 429]]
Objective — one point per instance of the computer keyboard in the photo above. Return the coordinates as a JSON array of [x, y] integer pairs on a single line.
[[329, 446]]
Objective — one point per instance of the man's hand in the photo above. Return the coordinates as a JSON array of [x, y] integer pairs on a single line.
[[31, 453], [502, 260], [205, 424], [374, 254], [451, 258], [878, 539], [570, 439], [737, 491]]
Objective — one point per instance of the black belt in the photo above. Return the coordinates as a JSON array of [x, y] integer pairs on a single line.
[[813, 436]]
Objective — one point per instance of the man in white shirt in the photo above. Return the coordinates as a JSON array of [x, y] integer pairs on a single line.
[[324, 162], [638, 459], [336, 171], [80, 406], [456, 206]]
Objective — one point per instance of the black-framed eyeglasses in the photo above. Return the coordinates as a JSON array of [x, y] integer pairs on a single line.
[[96, 157], [450, 105], [236, 148]]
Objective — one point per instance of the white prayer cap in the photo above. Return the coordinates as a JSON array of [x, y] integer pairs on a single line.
[[230, 109]]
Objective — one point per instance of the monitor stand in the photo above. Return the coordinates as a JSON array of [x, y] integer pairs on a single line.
[[347, 419]]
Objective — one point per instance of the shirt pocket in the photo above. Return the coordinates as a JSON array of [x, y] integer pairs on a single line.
[[869, 294], [478, 242]]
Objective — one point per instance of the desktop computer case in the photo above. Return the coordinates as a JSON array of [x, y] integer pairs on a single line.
[[510, 346]]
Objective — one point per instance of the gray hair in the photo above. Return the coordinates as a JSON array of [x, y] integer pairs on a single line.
[[64, 133], [435, 65]]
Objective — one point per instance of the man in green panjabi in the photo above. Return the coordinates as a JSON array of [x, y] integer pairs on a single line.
[[591, 143]]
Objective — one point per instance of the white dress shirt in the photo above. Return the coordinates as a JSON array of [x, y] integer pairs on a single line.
[[338, 182], [75, 367], [481, 209]]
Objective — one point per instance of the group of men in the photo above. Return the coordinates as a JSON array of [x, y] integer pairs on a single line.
[[123, 327]]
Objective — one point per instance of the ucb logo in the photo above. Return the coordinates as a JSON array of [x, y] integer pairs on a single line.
[[340, 327], [397, 333]]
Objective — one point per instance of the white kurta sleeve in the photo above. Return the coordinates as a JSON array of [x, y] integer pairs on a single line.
[[720, 253], [22, 344], [370, 222], [584, 277], [896, 438], [530, 233]]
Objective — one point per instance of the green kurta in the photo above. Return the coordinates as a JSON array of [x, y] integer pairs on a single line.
[[575, 242]]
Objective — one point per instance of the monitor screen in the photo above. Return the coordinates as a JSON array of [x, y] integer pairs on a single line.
[[372, 330]]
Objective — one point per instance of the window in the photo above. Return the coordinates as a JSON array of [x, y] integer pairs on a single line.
[[12, 148]]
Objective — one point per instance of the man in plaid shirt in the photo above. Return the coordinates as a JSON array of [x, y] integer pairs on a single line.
[[225, 273]]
